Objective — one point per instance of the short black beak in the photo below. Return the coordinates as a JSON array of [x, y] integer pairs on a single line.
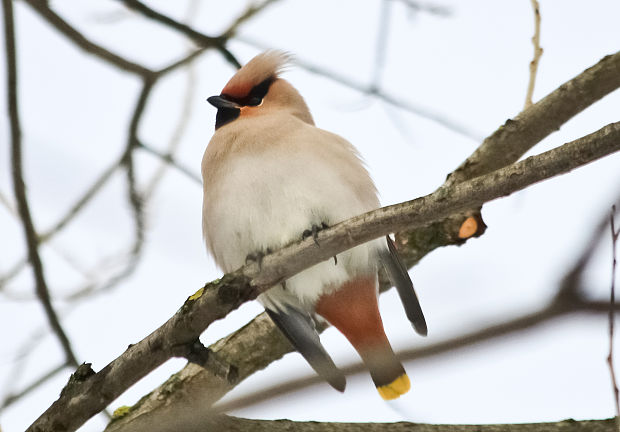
[[220, 102]]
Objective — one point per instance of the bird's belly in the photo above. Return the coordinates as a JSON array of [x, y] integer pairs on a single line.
[[266, 204]]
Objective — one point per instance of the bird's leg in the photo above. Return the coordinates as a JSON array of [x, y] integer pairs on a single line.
[[257, 257]]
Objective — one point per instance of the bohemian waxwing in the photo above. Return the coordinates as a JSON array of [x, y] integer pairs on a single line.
[[270, 178]]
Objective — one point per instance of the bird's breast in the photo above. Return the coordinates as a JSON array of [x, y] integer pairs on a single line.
[[264, 197]]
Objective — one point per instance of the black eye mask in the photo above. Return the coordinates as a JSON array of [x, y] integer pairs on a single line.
[[226, 114]]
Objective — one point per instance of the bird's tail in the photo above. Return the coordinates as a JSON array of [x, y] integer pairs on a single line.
[[386, 371], [353, 309]]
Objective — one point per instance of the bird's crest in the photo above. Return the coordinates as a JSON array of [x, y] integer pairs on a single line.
[[264, 66]]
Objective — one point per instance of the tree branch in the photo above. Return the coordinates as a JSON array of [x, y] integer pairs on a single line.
[[82, 399], [19, 187], [537, 54], [42, 8], [570, 298], [169, 159], [372, 90], [513, 139], [200, 39], [235, 424]]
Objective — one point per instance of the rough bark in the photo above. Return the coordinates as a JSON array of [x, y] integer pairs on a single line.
[[234, 424]]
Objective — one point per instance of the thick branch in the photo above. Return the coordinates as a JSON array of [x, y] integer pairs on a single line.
[[234, 424], [512, 140], [438, 205], [569, 299], [84, 398], [509, 143]]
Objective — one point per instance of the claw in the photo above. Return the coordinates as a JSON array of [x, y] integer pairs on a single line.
[[257, 257], [314, 232]]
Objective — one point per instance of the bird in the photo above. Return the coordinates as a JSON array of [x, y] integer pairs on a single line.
[[272, 177]]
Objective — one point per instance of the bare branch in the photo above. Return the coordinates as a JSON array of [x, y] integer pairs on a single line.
[[538, 51], [199, 38], [169, 159], [370, 89], [229, 33], [14, 397], [250, 12], [513, 139], [88, 194], [382, 39], [82, 399], [179, 130], [462, 340], [19, 187], [42, 8], [507, 144], [234, 424]]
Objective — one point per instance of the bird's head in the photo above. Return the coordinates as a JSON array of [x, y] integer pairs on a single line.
[[257, 89]]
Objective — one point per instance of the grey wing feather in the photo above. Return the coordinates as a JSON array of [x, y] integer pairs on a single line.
[[299, 329], [398, 275]]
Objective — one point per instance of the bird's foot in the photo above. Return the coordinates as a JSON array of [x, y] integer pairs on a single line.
[[314, 232], [257, 257]]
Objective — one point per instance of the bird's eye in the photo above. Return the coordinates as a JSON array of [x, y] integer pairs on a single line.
[[259, 91], [254, 101]]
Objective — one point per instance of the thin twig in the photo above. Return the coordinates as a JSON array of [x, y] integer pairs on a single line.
[[538, 51], [14, 397], [42, 8], [382, 42], [228, 33], [19, 187], [81, 202], [250, 12], [200, 39], [182, 122], [8, 205], [612, 302], [169, 159]]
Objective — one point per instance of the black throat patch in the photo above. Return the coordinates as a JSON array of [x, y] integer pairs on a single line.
[[226, 115]]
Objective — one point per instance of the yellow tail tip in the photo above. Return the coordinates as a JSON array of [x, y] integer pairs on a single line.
[[396, 388]]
